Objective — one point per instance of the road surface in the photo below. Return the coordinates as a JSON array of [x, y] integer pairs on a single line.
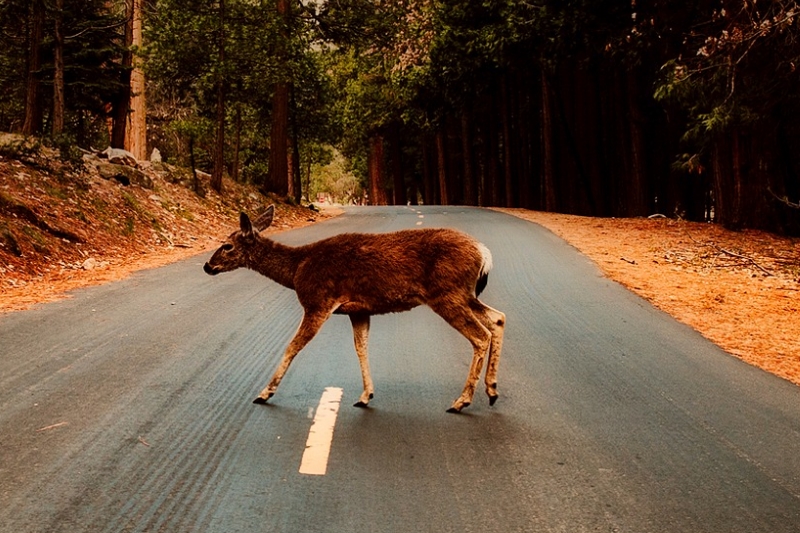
[[128, 408]]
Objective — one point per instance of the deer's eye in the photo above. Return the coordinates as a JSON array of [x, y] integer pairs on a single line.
[[227, 247]]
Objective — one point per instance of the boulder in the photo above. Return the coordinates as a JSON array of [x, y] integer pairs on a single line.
[[119, 157], [124, 174]]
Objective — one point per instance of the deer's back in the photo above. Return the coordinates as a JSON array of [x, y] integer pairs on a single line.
[[389, 272]]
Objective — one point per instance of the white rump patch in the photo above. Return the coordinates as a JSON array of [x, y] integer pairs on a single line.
[[487, 259]]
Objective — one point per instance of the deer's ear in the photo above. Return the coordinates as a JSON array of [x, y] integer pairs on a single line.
[[265, 219], [244, 223]]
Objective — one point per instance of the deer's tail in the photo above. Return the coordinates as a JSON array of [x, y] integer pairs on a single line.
[[486, 266]]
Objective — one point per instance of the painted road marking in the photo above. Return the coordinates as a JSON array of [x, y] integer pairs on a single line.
[[320, 436]]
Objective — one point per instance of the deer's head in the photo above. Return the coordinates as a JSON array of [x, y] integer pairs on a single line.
[[234, 251]]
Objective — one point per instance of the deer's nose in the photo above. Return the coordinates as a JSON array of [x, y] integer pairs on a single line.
[[208, 269]]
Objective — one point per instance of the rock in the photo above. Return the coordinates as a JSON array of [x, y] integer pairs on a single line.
[[124, 174], [155, 156], [120, 157], [89, 264]]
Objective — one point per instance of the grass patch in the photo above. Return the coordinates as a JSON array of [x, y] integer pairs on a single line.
[[38, 240], [129, 226]]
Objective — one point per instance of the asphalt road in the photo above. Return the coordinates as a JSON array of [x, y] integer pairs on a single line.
[[128, 408]]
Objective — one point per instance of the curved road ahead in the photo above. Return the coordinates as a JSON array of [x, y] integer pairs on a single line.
[[128, 408]]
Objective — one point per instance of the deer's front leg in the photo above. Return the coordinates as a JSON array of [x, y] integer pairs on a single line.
[[360, 337], [309, 327]]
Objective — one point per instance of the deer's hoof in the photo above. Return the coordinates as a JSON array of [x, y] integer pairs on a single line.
[[262, 401], [457, 408], [493, 399]]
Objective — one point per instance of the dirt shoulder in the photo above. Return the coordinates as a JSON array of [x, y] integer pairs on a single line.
[[738, 289]]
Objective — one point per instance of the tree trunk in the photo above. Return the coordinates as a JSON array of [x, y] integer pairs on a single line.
[[237, 142], [123, 97], [377, 193], [441, 166], [59, 106], [219, 144], [33, 86], [136, 136], [296, 184], [399, 196], [470, 190], [427, 176], [549, 196], [505, 117], [279, 135], [637, 196], [279, 138]]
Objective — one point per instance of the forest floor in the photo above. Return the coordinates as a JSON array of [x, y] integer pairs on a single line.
[[63, 228], [741, 290]]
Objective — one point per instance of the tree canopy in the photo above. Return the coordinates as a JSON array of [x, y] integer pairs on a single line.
[[599, 108]]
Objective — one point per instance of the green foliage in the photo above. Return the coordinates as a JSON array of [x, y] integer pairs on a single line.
[[92, 48], [18, 147], [334, 179]]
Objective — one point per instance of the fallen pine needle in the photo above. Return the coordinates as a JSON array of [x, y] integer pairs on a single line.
[[52, 426], [141, 439]]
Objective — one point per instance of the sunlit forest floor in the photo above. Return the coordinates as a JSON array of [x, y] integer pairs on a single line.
[[62, 229], [741, 290]]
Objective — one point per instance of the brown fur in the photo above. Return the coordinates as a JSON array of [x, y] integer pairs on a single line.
[[367, 274]]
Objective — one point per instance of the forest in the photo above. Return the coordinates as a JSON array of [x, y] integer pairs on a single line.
[[599, 108]]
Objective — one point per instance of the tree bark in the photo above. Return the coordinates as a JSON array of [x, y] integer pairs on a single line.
[[33, 86], [377, 193], [219, 144], [427, 176], [136, 135], [399, 196], [279, 135], [505, 117], [637, 196], [548, 171], [441, 166], [58, 77], [237, 143], [296, 183], [470, 190], [123, 98]]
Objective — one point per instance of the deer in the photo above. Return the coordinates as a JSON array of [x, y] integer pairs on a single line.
[[365, 274]]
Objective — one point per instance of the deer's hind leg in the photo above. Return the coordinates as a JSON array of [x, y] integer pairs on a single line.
[[495, 321], [462, 318], [360, 336], [312, 321]]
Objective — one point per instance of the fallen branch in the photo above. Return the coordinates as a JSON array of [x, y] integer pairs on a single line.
[[732, 254], [784, 200]]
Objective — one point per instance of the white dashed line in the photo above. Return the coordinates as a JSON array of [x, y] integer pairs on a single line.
[[320, 436]]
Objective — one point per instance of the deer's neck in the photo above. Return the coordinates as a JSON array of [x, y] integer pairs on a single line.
[[274, 260]]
